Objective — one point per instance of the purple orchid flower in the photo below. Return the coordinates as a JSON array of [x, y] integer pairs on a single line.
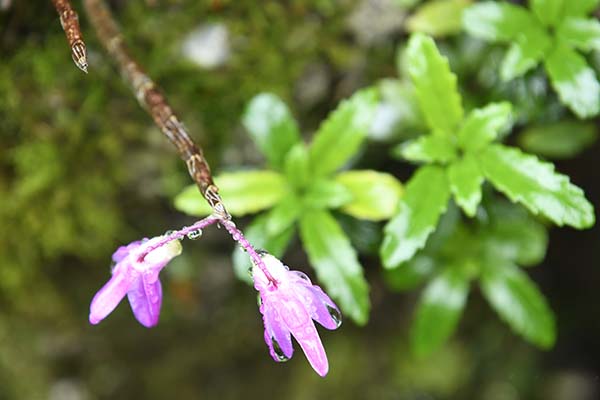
[[135, 274], [289, 304]]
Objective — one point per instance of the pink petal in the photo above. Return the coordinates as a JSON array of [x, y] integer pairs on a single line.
[[124, 251], [322, 308], [277, 336], [145, 298], [111, 294]]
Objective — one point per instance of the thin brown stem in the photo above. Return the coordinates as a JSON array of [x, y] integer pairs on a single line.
[[70, 24], [150, 98]]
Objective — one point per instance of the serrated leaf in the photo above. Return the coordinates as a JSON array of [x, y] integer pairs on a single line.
[[375, 195], [339, 137], [326, 193], [425, 200], [272, 127], [410, 274], [283, 215], [465, 180], [435, 85], [483, 125], [519, 303], [582, 33], [438, 17], [514, 235], [562, 139], [257, 234], [427, 149], [574, 81], [527, 180], [496, 21], [579, 8], [438, 311], [525, 52], [336, 263], [550, 12], [296, 166], [243, 192]]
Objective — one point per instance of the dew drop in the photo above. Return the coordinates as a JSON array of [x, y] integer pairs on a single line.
[[335, 315], [278, 352], [195, 235], [169, 232], [258, 300], [113, 265]]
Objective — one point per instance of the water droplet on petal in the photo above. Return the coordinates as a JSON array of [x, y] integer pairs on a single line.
[[302, 276], [169, 232], [278, 352], [335, 315], [113, 265], [258, 300], [194, 235]]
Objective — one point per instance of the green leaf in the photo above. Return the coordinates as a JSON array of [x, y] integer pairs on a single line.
[[427, 149], [465, 183], [296, 166], [438, 17], [514, 235], [519, 302], [410, 274], [579, 8], [525, 52], [243, 192], [435, 85], [527, 180], [582, 33], [562, 139], [483, 125], [258, 235], [375, 195], [283, 215], [496, 21], [439, 310], [336, 263], [271, 126], [574, 81], [425, 199], [326, 193], [550, 12], [339, 137]]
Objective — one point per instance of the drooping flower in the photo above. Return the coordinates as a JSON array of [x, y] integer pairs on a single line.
[[288, 306], [135, 274]]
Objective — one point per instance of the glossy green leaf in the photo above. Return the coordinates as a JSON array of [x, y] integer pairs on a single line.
[[257, 234], [562, 139], [425, 200], [438, 17], [519, 302], [438, 311], [582, 33], [574, 81], [336, 263], [339, 137], [428, 149], [244, 192], [483, 125], [465, 180], [525, 52], [296, 167], [514, 235], [527, 180], [375, 195], [410, 274], [326, 193], [579, 8], [550, 12], [435, 85], [283, 215], [272, 127], [496, 21]]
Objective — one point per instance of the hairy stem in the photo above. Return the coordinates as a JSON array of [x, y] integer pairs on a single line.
[[70, 24], [154, 102]]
